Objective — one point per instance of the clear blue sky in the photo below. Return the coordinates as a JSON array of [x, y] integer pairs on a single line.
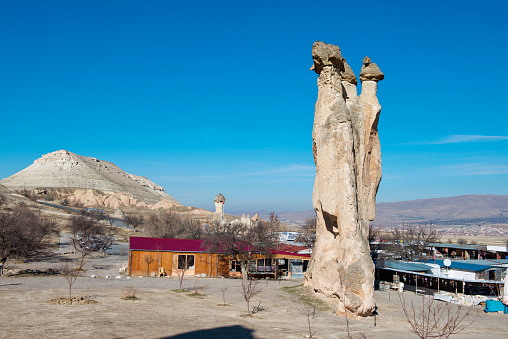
[[208, 97]]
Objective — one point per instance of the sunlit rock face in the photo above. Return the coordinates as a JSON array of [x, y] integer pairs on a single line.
[[347, 154], [64, 169]]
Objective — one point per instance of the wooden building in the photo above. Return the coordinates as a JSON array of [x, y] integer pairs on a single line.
[[162, 257]]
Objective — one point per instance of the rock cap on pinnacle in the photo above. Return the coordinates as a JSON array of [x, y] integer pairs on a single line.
[[324, 54], [220, 198], [348, 74], [370, 71]]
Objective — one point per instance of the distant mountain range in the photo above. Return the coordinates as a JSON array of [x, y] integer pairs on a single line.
[[459, 210]]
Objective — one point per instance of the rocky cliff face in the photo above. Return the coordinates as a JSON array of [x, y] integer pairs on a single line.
[[348, 171], [63, 169]]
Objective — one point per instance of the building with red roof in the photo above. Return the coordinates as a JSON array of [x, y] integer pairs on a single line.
[[163, 257]]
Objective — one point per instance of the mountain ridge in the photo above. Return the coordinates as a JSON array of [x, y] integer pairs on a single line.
[[455, 210]]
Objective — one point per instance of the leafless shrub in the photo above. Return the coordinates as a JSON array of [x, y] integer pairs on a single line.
[[310, 313], [224, 290], [198, 290], [129, 294], [257, 308], [30, 194], [168, 224], [24, 233], [70, 273], [433, 320], [134, 220], [249, 290], [65, 202]]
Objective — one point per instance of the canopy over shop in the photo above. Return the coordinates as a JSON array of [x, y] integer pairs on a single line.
[[460, 277]]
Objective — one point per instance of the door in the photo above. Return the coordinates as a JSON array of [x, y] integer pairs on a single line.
[[296, 268]]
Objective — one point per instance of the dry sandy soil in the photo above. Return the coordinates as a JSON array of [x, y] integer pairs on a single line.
[[161, 312]]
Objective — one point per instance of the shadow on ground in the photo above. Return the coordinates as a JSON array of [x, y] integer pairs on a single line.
[[219, 332]]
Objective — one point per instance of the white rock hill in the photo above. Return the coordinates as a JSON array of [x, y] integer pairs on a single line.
[[64, 169]]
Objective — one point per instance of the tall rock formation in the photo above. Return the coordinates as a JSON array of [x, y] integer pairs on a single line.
[[347, 154], [219, 201]]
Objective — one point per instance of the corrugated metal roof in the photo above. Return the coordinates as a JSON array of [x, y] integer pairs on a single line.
[[443, 277], [291, 254], [493, 262], [461, 246], [164, 244], [406, 266], [181, 245], [466, 265], [292, 248]]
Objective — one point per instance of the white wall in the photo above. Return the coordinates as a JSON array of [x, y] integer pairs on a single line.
[[462, 275]]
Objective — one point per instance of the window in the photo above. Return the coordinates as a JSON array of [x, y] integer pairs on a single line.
[[186, 261], [236, 266]]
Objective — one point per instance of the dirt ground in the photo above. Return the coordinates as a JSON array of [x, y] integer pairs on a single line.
[[161, 312]]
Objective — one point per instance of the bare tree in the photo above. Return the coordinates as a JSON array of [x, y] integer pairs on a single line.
[[274, 221], [70, 274], [310, 313], [89, 235], [198, 290], [24, 233], [148, 260], [461, 241], [308, 233], [433, 320], [412, 242], [107, 237], [134, 220], [158, 248], [249, 290], [183, 264], [240, 242], [168, 224], [224, 290]]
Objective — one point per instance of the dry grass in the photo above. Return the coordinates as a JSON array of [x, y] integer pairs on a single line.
[[304, 295]]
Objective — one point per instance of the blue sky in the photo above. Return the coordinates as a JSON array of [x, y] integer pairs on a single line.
[[208, 97]]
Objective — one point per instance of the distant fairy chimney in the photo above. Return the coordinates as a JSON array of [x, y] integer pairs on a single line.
[[219, 204]]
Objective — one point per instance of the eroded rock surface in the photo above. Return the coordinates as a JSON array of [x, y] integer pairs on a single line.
[[348, 171], [64, 169], [219, 201]]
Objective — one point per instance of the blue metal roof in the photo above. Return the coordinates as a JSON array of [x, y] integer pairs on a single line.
[[405, 266], [461, 246], [466, 265]]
